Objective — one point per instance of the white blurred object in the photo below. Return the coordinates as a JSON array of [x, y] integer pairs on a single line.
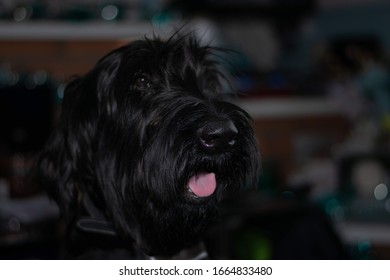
[[368, 178]]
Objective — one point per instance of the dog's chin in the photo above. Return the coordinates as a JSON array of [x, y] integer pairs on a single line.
[[191, 198], [171, 229]]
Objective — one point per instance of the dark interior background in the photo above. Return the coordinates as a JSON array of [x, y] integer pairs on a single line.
[[313, 74]]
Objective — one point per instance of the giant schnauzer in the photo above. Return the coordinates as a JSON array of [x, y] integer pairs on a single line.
[[145, 148]]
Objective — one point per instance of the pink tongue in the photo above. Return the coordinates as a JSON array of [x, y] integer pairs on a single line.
[[203, 184]]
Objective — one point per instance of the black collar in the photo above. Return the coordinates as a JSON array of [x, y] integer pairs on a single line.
[[96, 225]]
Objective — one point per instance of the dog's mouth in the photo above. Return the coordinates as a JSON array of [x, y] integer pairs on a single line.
[[202, 184]]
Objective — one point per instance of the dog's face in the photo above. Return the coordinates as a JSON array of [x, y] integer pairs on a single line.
[[147, 137]]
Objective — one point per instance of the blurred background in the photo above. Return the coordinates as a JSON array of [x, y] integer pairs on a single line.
[[313, 74]]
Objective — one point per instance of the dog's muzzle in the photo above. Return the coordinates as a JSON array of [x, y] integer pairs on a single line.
[[215, 136], [218, 135]]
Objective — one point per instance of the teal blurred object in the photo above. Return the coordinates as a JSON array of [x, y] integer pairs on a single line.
[[375, 82]]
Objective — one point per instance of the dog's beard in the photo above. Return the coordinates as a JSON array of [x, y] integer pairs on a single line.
[[167, 231]]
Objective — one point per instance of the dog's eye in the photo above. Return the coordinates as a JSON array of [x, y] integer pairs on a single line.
[[142, 81]]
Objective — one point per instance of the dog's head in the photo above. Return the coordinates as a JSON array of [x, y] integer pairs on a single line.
[[148, 139]]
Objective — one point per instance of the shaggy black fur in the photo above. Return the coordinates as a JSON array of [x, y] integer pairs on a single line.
[[133, 131]]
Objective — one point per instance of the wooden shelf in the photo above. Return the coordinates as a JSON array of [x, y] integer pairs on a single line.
[[65, 49], [74, 31], [289, 107]]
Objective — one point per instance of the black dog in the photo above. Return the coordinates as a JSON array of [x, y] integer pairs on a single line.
[[145, 149]]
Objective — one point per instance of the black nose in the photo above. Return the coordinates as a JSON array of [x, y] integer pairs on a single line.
[[218, 134]]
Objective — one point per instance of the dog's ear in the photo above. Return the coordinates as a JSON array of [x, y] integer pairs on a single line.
[[65, 166]]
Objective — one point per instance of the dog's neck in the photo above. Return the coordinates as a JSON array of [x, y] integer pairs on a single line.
[[102, 227], [93, 222]]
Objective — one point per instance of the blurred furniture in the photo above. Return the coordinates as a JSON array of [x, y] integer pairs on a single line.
[[367, 240], [282, 124], [256, 226], [35, 58], [364, 204], [63, 49], [29, 228]]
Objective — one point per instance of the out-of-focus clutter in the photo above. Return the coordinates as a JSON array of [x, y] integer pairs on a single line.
[[78, 11], [27, 217], [314, 76]]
